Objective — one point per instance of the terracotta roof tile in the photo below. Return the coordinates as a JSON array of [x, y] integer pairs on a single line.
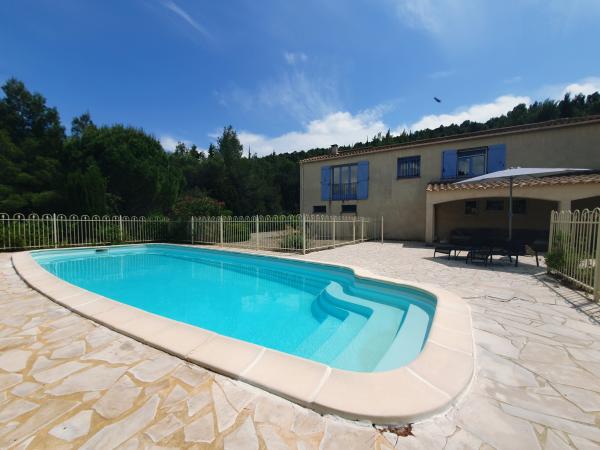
[[520, 182]]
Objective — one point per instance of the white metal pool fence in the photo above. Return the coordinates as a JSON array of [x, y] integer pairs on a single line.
[[574, 248], [58, 230], [295, 233], [298, 233]]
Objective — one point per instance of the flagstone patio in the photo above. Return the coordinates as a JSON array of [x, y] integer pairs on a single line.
[[66, 382]]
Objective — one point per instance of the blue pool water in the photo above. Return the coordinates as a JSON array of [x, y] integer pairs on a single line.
[[318, 312]]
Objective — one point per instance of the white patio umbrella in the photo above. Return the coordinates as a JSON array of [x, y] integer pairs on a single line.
[[518, 172]]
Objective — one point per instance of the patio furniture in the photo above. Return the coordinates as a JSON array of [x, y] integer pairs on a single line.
[[481, 244], [518, 173], [448, 248], [483, 254]]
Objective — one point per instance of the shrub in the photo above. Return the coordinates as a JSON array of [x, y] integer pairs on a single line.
[[291, 241], [236, 232], [198, 204], [555, 259]]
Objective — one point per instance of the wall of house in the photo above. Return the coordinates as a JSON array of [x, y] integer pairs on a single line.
[[451, 215], [402, 202]]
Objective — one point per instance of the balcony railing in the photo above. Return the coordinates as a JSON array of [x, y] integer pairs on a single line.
[[343, 191]]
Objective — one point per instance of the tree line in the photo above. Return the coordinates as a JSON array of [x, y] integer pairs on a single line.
[[120, 169]]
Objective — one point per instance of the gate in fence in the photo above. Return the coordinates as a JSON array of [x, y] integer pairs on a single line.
[[574, 248]]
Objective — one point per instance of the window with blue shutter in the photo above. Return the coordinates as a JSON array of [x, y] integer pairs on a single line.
[[325, 183], [496, 158], [449, 164], [362, 188], [471, 162], [345, 182]]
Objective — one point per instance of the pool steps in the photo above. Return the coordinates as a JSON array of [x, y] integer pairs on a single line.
[[411, 328], [378, 324]]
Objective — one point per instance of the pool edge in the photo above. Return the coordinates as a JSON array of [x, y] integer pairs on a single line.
[[430, 384]]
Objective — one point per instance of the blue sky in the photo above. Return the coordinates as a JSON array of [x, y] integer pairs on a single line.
[[297, 74]]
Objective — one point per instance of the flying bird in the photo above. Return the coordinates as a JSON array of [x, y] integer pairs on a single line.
[[437, 99]]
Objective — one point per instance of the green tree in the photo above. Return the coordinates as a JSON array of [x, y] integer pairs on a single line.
[[87, 191], [31, 144]]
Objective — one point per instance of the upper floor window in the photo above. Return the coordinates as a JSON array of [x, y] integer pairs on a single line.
[[319, 209], [343, 182], [409, 167], [471, 163]]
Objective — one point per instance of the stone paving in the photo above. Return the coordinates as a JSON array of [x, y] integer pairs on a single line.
[[66, 382]]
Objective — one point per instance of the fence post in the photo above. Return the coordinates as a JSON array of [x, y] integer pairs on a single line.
[[121, 228], [353, 230], [257, 231], [362, 229], [333, 230], [221, 230], [192, 229], [551, 234], [597, 266], [382, 229], [304, 234], [54, 230]]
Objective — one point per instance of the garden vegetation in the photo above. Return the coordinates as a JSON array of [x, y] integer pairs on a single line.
[[118, 169]]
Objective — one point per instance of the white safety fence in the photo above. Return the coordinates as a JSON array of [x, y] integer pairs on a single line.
[[57, 230], [296, 233], [574, 248]]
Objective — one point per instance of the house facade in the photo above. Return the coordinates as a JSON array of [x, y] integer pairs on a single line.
[[412, 185]]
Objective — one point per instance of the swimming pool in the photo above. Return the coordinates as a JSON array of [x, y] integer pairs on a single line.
[[338, 339], [322, 313]]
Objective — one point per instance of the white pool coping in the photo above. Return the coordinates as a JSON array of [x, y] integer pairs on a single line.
[[424, 387]]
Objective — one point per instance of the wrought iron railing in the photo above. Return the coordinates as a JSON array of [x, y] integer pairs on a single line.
[[343, 191], [574, 248]]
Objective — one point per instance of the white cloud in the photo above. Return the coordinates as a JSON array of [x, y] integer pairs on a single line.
[[479, 113], [301, 96], [340, 128], [173, 7], [586, 86], [293, 92], [169, 142], [293, 58], [344, 128], [557, 91]]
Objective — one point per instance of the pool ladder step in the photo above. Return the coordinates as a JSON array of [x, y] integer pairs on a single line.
[[377, 326]]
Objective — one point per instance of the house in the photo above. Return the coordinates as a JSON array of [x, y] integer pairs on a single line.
[[412, 185]]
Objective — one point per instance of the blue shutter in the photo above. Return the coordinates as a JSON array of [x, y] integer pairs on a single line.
[[496, 158], [325, 183], [362, 187], [449, 164]]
